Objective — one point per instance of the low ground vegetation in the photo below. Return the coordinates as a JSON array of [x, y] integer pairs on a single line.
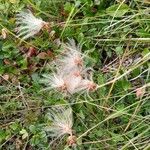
[[74, 74]]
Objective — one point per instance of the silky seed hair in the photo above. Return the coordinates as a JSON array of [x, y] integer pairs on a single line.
[[71, 75], [61, 122], [28, 25]]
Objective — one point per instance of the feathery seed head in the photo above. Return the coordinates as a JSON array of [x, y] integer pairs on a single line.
[[72, 82], [62, 121], [78, 61], [71, 77], [73, 55], [55, 81], [28, 24], [85, 85], [89, 85], [58, 82], [77, 74], [71, 140]]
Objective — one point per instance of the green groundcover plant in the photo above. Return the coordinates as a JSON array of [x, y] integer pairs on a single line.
[[74, 74]]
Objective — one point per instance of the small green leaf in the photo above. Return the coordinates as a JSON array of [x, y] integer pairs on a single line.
[[24, 133], [117, 137], [2, 135], [142, 33], [14, 126], [23, 63], [126, 84], [68, 7], [2, 7], [81, 114], [119, 50], [145, 52], [117, 10]]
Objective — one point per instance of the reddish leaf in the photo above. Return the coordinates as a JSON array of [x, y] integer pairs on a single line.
[[31, 52], [6, 62], [140, 92], [50, 54], [6, 77], [42, 55], [32, 68]]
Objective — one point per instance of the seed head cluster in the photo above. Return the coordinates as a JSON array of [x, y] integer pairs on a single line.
[[71, 75]]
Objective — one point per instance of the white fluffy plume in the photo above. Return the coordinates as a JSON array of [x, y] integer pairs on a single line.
[[71, 75], [28, 24], [62, 122], [72, 58]]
